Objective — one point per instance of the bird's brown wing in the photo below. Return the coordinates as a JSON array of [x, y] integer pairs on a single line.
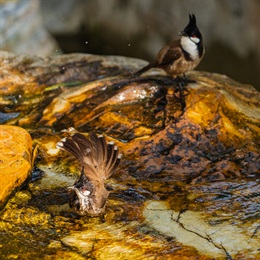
[[169, 54], [99, 159]]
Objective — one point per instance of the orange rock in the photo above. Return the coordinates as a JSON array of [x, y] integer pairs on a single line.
[[15, 159]]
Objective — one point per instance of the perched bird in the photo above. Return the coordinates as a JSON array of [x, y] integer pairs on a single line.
[[181, 55], [99, 161]]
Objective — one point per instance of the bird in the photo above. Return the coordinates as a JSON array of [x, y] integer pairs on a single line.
[[182, 55], [99, 161]]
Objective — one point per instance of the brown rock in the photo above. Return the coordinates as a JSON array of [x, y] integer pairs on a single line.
[[216, 136], [189, 177]]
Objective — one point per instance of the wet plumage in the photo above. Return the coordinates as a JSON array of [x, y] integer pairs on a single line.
[[99, 161]]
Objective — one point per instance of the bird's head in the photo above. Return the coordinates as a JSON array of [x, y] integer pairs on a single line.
[[191, 31], [88, 198]]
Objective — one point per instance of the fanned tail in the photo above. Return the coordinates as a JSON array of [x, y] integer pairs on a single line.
[[99, 159], [113, 159], [78, 145]]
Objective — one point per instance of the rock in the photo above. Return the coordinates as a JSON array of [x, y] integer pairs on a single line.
[[184, 226], [16, 159], [117, 240], [193, 161], [215, 137], [22, 30]]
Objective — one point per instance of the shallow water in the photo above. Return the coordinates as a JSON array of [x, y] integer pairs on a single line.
[[143, 220]]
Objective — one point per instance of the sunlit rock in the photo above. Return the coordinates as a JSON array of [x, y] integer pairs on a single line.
[[197, 157], [16, 159], [193, 229]]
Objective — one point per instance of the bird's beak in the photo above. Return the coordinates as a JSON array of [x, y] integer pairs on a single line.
[[182, 33]]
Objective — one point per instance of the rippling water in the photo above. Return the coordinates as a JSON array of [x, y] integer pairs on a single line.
[[38, 222]]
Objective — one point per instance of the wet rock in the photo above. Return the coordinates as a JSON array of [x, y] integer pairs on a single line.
[[116, 241], [198, 158], [16, 159], [190, 228]]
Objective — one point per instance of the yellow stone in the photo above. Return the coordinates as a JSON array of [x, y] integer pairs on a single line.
[[15, 159]]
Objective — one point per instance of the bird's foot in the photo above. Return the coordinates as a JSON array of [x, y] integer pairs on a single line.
[[181, 95]]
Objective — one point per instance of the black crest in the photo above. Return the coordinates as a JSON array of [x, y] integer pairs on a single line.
[[191, 29]]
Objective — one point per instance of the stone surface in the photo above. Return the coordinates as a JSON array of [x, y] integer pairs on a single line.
[[190, 228], [196, 167], [15, 160], [22, 30]]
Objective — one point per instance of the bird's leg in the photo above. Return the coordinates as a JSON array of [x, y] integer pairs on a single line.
[[186, 80], [182, 81], [181, 97], [185, 77]]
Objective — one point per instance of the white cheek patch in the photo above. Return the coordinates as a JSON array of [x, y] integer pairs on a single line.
[[85, 193], [190, 46], [195, 39]]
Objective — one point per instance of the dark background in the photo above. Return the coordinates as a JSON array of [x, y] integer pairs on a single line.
[[137, 28]]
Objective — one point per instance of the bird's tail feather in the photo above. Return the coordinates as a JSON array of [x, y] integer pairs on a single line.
[[142, 70], [99, 157]]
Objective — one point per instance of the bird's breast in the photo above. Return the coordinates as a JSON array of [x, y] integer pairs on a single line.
[[182, 66]]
